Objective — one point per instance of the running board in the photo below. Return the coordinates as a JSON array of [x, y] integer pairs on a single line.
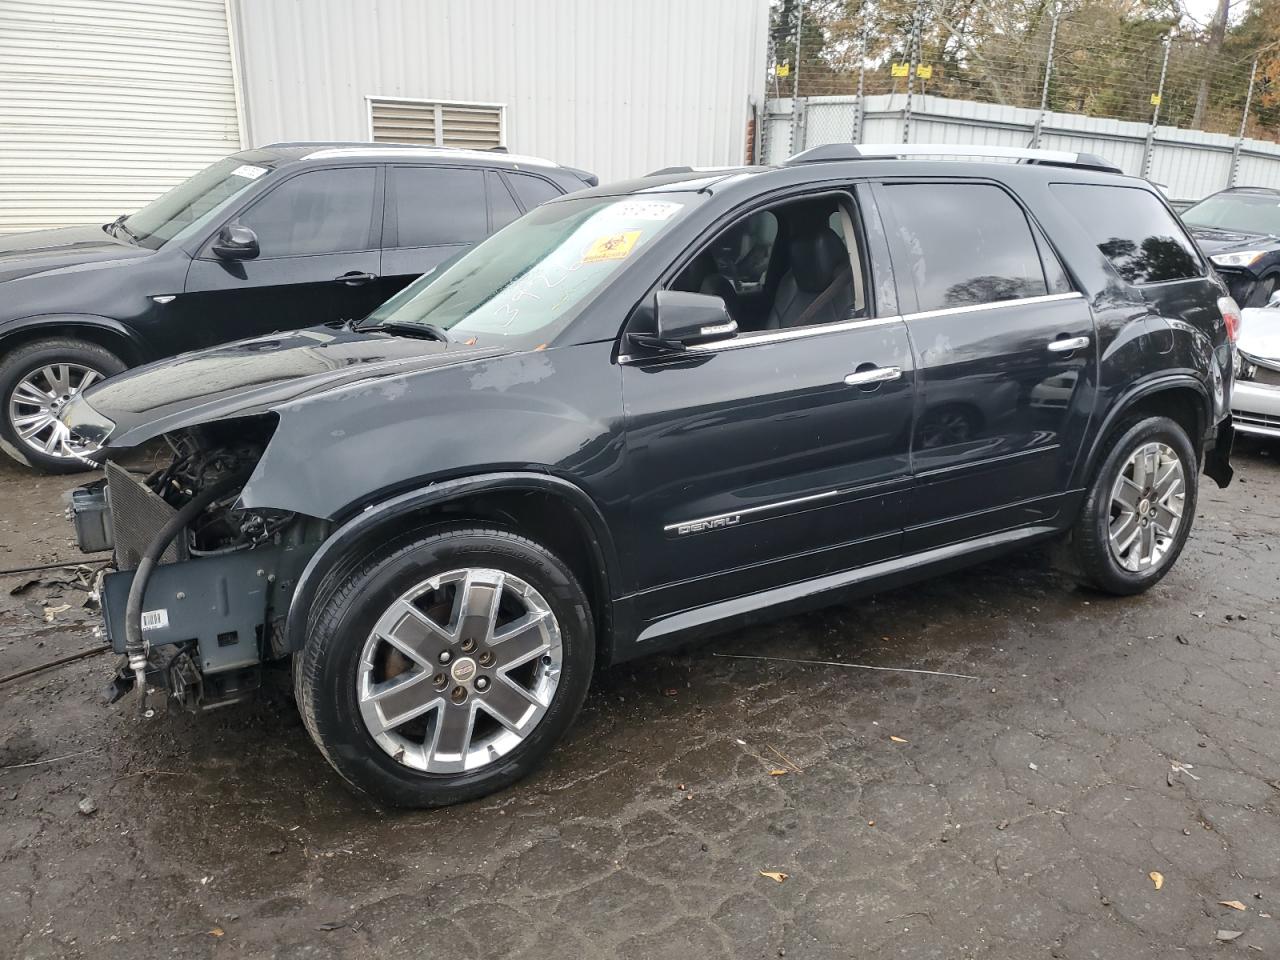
[[903, 569]]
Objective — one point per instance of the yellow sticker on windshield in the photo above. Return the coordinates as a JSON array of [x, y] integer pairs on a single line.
[[616, 246]]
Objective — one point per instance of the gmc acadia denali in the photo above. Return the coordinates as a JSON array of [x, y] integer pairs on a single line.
[[649, 411]]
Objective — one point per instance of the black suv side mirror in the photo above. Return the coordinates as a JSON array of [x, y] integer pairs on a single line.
[[235, 242], [687, 319]]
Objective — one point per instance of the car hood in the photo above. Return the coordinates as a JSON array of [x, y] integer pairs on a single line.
[[1214, 240], [42, 251], [249, 377], [1259, 336]]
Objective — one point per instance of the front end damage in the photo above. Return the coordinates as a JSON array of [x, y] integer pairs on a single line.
[[201, 587]]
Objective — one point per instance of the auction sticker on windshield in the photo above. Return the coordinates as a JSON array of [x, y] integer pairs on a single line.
[[645, 209], [615, 246]]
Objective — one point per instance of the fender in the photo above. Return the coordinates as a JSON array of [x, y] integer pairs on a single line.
[[139, 349], [1125, 403], [329, 556]]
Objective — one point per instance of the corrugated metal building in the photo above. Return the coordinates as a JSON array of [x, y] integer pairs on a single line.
[[107, 103]]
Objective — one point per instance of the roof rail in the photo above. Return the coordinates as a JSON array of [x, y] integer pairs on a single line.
[[847, 151]]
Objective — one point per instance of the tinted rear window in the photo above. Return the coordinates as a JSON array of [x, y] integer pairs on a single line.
[[965, 244], [1134, 231], [532, 190], [437, 205]]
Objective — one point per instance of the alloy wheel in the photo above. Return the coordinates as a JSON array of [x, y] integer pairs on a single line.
[[459, 670], [37, 400], [1146, 507]]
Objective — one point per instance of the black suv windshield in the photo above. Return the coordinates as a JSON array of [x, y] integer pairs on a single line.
[[192, 202], [1246, 212], [525, 280]]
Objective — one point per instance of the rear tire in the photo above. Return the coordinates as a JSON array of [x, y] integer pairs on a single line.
[[405, 683], [36, 380], [1139, 507]]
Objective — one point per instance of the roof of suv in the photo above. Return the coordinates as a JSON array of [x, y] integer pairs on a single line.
[[298, 151], [839, 160]]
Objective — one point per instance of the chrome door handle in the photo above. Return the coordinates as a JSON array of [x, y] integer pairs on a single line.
[[1069, 344], [875, 375]]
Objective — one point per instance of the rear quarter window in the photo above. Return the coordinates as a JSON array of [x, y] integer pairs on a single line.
[[1134, 231]]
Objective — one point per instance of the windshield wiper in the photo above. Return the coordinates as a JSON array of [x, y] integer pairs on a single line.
[[428, 331], [119, 224]]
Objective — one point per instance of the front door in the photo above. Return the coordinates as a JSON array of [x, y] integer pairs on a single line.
[[780, 455], [318, 261], [1006, 357]]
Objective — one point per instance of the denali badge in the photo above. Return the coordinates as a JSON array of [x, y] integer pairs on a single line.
[[702, 526]]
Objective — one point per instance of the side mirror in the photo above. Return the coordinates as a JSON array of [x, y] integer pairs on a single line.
[[235, 242], [688, 319]]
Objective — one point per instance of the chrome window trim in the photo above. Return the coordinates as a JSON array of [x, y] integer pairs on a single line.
[[754, 338], [757, 338], [994, 305]]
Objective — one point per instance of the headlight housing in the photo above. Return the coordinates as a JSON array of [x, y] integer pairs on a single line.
[[1241, 258]]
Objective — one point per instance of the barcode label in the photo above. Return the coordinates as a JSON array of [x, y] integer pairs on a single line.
[[155, 619]]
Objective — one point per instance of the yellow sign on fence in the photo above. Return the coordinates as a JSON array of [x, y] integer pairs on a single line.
[[923, 70], [1155, 99]]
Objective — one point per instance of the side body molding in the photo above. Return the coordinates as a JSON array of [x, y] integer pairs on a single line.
[[342, 548]]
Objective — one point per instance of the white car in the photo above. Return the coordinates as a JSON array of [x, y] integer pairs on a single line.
[[1255, 400]]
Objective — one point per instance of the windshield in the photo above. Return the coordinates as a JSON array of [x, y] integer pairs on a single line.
[[1246, 212], [524, 282], [191, 202]]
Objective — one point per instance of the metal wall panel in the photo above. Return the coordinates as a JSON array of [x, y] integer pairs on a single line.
[[1188, 164], [105, 104], [618, 88]]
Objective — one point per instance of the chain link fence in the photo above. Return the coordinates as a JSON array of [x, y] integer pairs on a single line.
[[1026, 73]]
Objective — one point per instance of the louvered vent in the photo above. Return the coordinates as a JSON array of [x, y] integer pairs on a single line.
[[435, 123]]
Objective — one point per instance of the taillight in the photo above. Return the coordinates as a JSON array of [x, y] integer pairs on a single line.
[[1230, 316]]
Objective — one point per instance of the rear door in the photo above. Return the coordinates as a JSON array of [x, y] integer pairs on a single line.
[[1005, 354], [434, 213], [318, 260]]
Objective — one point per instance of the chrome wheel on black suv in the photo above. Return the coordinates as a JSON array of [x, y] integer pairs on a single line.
[[36, 381], [446, 668], [1136, 515]]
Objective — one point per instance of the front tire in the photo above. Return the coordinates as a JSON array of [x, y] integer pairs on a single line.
[[36, 381], [1138, 509], [447, 669]]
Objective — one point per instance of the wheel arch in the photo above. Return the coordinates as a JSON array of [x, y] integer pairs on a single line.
[[103, 331], [548, 509], [1181, 397]]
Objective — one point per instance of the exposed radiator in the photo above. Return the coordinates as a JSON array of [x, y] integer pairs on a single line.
[[137, 514]]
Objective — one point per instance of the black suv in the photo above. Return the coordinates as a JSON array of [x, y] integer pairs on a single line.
[[289, 236], [653, 410], [1239, 229]]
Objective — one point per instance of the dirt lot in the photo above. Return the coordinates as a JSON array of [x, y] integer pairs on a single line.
[[1018, 815]]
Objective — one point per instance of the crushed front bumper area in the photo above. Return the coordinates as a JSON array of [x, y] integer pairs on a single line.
[[209, 622]]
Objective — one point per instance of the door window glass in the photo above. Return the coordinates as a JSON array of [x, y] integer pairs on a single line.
[[502, 208], [436, 205], [532, 190], [787, 266], [1134, 231], [325, 211], [965, 244]]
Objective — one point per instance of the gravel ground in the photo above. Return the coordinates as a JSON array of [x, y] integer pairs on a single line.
[[1022, 814]]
